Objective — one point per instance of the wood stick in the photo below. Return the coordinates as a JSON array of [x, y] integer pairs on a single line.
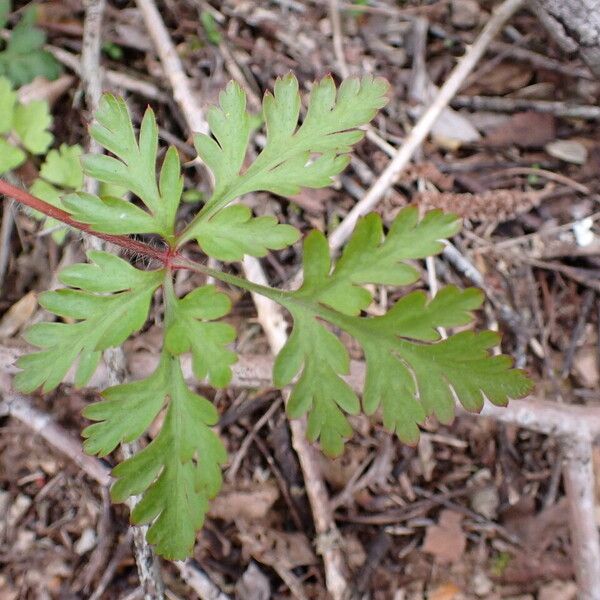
[[511, 105]]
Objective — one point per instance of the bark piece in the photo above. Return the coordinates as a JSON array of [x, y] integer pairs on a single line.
[[575, 25]]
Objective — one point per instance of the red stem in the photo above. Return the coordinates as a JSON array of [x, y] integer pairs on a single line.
[[165, 256]]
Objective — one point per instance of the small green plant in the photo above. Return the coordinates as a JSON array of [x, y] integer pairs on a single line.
[[23, 57], [23, 128], [60, 173], [411, 372]]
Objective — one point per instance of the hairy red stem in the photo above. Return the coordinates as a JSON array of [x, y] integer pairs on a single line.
[[165, 256]]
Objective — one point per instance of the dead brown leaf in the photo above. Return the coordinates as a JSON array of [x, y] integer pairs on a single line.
[[446, 541], [524, 129], [18, 315], [538, 531], [273, 547], [558, 590], [585, 366], [446, 591], [251, 505], [502, 79]]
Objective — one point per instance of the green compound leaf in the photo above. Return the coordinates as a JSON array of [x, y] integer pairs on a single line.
[[109, 214], [134, 169], [61, 173], [189, 327], [126, 411], [179, 471], [405, 376], [24, 57], [320, 391], [370, 257], [309, 155], [112, 302], [233, 232]]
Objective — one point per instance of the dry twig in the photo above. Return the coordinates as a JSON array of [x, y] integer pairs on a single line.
[[512, 105]]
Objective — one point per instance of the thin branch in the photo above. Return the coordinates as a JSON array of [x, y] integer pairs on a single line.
[[199, 581], [111, 78], [510, 105], [338, 44], [425, 123]]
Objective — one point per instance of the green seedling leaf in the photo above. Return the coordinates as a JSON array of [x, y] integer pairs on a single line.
[[370, 257], [10, 157], [22, 127], [60, 174], [31, 123], [411, 369], [5, 8], [320, 391], [24, 57], [211, 29], [8, 101], [62, 167]]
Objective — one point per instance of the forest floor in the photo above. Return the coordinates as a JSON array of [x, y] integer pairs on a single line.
[[478, 508]]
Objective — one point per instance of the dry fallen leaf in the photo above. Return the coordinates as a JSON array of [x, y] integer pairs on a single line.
[[465, 14], [446, 541], [253, 585], [273, 547], [18, 315], [524, 129], [585, 366], [558, 590], [446, 591], [503, 78], [568, 150], [251, 505]]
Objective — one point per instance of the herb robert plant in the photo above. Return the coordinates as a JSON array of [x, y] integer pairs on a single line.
[[410, 371]]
